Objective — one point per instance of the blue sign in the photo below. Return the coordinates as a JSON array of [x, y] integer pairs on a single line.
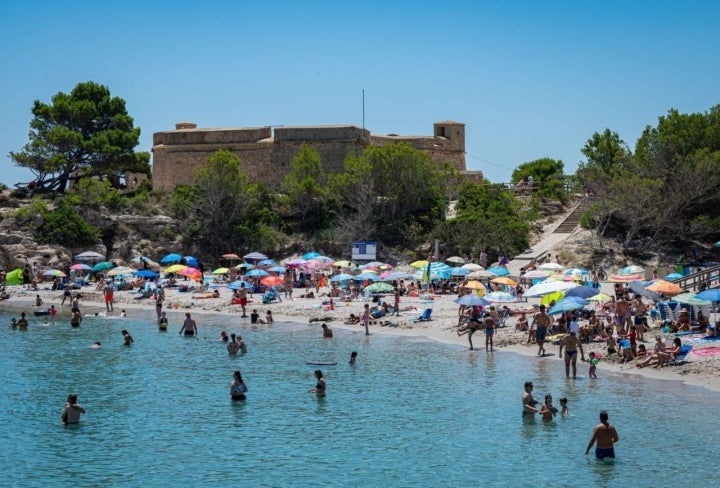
[[364, 251]]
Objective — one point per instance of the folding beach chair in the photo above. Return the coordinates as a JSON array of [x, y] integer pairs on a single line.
[[680, 359], [425, 317]]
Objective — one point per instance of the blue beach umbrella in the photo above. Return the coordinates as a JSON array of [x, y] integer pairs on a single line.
[[235, 285], [171, 258], [459, 272], [366, 276], [498, 270], [582, 292], [341, 277], [257, 272], [278, 269], [673, 276], [566, 305], [712, 295], [267, 262], [311, 255], [145, 273], [472, 300], [102, 266], [191, 261]]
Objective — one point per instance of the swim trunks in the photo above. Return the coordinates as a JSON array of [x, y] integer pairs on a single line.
[[604, 452], [540, 333], [489, 332], [639, 320], [108, 297], [570, 353], [243, 301], [189, 333]]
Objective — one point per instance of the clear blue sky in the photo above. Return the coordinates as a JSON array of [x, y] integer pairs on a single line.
[[529, 79]]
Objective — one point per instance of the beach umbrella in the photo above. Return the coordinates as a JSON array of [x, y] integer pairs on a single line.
[[631, 270], [271, 280], [499, 270], [267, 262], [472, 266], [536, 273], [366, 276], [551, 266], [500, 297], [582, 292], [386, 266], [691, 299], [14, 277], [141, 259], [344, 263], [576, 271], [618, 278], [398, 275], [504, 280], [600, 297], [80, 267], [712, 295], [294, 263], [120, 270], [545, 287], [54, 272], [145, 273], [455, 259], [171, 258], [566, 306], [191, 261], [673, 276], [230, 256], [419, 264], [459, 272], [102, 266], [472, 301], [278, 269], [244, 266], [315, 264], [255, 256], [235, 285], [379, 287], [89, 256], [553, 298], [257, 272], [474, 285], [311, 255], [221, 271], [341, 277], [189, 271], [640, 288], [481, 274], [667, 287], [174, 268]]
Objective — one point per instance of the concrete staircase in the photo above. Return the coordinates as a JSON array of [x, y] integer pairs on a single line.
[[573, 219]]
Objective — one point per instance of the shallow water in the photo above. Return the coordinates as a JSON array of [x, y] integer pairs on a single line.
[[410, 413]]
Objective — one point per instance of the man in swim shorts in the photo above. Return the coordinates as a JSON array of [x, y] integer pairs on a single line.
[[606, 436], [72, 410], [242, 293], [189, 326], [108, 292], [528, 402], [571, 344], [541, 321]]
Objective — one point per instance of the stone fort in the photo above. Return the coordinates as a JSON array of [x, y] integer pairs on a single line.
[[265, 152]]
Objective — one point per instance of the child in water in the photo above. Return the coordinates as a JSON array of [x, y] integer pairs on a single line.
[[593, 361], [547, 410], [564, 407]]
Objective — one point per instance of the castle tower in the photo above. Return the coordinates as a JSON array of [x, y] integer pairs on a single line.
[[450, 135]]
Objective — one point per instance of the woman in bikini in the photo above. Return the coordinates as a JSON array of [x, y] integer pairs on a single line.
[[237, 387]]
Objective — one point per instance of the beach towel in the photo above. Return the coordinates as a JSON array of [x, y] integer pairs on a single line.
[[706, 351]]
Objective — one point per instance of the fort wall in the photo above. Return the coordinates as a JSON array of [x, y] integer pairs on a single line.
[[265, 153]]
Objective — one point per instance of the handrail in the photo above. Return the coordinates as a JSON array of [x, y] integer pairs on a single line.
[[707, 277]]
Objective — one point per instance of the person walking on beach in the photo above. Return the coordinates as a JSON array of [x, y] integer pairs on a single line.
[[571, 344], [396, 291], [489, 325], [366, 318], [108, 293], [541, 321], [238, 387], [72, 410], [189, 326], [606, 436], [242, 294], [319, 389], [528, 402], [288, 285], [66, 295]]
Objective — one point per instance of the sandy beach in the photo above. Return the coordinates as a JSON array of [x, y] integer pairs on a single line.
[[699, 369]]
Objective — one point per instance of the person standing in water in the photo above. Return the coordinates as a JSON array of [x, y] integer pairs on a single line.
[[353, 357], [571, 344], [327, 331], [606, 436], [238, 387], [189, 326], [319, 389], [72, 410], [528, 402], [163, 322]]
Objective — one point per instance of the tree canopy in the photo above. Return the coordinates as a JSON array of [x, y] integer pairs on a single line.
[[81, 134]]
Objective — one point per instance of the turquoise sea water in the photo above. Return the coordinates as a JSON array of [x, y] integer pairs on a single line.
[[410, 413]]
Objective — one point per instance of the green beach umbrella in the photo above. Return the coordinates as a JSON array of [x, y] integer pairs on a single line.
[[379, 287]]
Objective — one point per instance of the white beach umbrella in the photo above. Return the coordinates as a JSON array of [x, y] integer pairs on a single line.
[[551, 266], [481, 274], [472, 266], [548, 287]]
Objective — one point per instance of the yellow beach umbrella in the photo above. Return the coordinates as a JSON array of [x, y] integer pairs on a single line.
[[419, 264], [555, 296], [174, 268], [221, 271], [600, 297]]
